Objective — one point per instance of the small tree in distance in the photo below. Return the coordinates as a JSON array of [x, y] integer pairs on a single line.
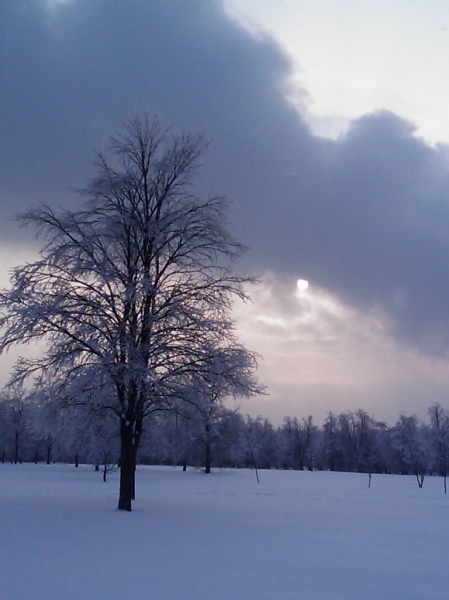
[[223, 372], [439, 440], [410, 443], [130, 290]]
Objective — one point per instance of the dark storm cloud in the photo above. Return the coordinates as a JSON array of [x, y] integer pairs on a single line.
[[376, 231], [71, 75], [365, 217]]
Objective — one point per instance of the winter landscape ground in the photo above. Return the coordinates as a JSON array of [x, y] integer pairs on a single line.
[[296, 535]]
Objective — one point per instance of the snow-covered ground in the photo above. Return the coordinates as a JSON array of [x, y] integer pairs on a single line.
[[191, 536]]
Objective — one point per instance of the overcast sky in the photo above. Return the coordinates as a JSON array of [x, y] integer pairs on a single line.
[[329, 133]]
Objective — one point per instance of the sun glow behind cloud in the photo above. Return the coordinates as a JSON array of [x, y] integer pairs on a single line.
[[302, 285], [319, 355]]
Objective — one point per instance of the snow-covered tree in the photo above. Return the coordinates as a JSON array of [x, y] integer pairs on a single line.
[[331, 454], [222, 372], [366, 443], [3, 430], [103, 446], [409, 438], [439, 441], [297, 445], [16, 411], [47, 421], [262, 444], [130, 289]]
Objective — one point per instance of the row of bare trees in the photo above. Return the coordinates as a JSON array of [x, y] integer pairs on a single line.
[[210, 435]]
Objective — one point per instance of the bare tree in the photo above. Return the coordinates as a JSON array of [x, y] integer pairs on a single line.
[[410, 442], [47, 421], [17, 420], [439, 440], [103, 442], [130, 289], [3, 430], [366, 435], [298, 440], [223, 371], [330, 445]]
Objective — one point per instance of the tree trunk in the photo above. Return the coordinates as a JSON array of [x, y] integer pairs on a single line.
[[127, 466], [35, 458], [208, 453], [16, 447], [49, 445], [420, 479], [76, 460]]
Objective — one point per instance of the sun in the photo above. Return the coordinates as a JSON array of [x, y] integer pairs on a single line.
[[302, 285]]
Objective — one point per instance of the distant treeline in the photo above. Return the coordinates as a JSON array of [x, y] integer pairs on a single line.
[[350, 441]]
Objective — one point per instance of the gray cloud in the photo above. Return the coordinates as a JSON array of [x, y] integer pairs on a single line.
[[365, 216]]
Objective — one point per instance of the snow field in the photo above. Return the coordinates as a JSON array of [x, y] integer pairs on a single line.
[[296, 535]]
